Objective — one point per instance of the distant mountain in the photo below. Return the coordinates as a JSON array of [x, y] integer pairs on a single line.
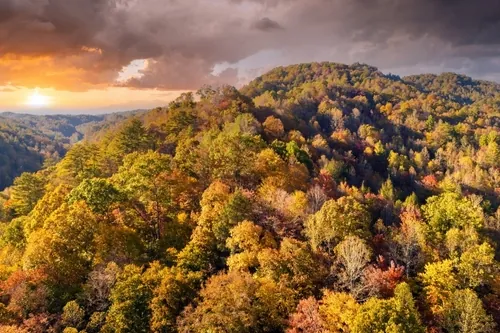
[[28, 141]]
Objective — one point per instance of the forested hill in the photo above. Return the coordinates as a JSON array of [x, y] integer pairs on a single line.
[[319, 198], [27, 142]]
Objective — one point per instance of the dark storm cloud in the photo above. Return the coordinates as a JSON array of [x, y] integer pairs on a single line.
[[76, 44]]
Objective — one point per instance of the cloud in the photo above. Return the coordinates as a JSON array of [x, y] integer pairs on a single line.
[[79, 45], [180, 73], [266, 24]]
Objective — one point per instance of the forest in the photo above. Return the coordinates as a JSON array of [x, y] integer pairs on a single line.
[[320, 197], [28, 142]]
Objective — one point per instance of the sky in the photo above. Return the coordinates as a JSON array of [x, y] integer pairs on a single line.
[[91, 56]]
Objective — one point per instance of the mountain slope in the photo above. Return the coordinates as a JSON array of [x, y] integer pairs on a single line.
[[320, 197], [28, 141]]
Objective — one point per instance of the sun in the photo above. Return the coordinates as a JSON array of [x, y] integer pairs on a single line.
[[38, 100]]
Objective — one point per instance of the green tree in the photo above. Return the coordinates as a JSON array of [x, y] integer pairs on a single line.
[[26, 191], [133, 138], [14, 234], [97, 193], [477, 266], [130, 297], [224, 152], [394, 315], [465, 314], [336, 220], [141, 180], [450, 210], [83, 160], [387, 190]]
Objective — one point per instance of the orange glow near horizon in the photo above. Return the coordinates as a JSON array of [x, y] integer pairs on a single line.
[[63, 87], [20, 99]]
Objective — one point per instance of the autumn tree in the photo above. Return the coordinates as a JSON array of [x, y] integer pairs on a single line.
[[273, 127], [73, 315], [353, 255], [176, 289], [336, 220], [64, 247]]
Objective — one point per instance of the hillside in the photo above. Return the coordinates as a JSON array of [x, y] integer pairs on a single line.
[[27, 142], [318, 198]]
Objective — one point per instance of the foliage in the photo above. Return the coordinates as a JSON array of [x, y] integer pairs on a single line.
[[319, 198], [336, 220]]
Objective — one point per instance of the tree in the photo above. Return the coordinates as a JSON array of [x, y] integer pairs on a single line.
[[450, 210], [394, 315], [96, 322], [338, 311], [49, 203], [65, 246], [97, 193], [140, 180], [273, 127], [82, 161], [245, 243], [440, 281], [492, 157], [352, 255], [130, 299], [382, 279], [236, 302], [98, 286], [14, 234], [465, 314], [294, 264], [133, 138], [269, 165], [227, 304], [27, 293], [387, 191], [407, 318], [73, 315], [477, 266], [408, 241], [175, 291], [230, 154], [336, 220], [307, 318], [220, 211], [26, 191]]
